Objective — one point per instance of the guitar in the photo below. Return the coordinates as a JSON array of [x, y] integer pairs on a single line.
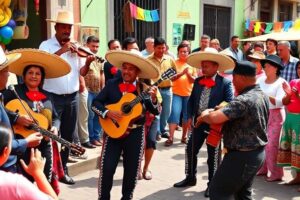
[[42, 125], [131, 109]]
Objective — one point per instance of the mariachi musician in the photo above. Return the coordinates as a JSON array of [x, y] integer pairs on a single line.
[[132, 65], [208, 91], [34, 66]]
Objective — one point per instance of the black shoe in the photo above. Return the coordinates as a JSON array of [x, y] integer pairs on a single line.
[[165, 135], [206, 193], [88, 145], [186, 182], [67, 180]]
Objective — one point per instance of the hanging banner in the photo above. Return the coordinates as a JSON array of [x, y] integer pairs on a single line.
[[142, 14], [268, 27]]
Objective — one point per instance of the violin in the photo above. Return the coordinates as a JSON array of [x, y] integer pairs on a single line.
[[82, 51]]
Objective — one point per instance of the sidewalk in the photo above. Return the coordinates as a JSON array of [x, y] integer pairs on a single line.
[[167, 167]]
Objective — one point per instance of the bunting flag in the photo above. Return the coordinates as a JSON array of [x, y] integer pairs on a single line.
[[297, 25], [133, 9], [154, 15], [257, 27], [247, 24], [142, 14], [287, 25], [268, 27], [277, 26]]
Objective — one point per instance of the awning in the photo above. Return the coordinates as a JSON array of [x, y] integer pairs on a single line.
[[290, 35]]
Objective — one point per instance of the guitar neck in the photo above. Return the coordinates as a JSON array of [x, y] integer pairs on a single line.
[[47, 133], [139, 98]]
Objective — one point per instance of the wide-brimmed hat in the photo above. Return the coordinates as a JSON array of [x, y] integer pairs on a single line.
[[53, 65], [64, 17], [273, 60], [211, 54], [147, 69], [6, 60], [258, 55]]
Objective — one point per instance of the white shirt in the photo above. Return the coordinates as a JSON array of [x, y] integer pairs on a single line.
[[274, 90], [69, 83]]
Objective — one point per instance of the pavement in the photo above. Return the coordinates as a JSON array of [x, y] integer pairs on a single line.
[[167, 168]]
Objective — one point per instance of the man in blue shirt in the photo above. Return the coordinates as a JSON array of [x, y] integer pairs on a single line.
[[234, 48]]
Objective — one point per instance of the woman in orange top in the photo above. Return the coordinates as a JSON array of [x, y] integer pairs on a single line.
[[182, 88]]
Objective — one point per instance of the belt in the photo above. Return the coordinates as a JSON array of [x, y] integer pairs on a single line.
[[164, 88], [66, 95]]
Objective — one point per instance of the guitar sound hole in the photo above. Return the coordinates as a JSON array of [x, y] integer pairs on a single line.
[[126, 108]]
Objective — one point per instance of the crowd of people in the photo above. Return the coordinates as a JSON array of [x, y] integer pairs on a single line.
[[248, 96]]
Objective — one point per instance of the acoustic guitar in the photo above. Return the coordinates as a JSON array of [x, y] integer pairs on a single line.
[[42, 126], [131, 109]]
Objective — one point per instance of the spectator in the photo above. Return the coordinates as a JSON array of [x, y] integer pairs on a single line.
[[271, 46], [149, 42], [271, 85], [163, 63], [215, 43], [204, 42], [287, 60], [255, 58], [234, 48], [289, 154], [182, 88], [110, 71], [258, 46], [94, 81]]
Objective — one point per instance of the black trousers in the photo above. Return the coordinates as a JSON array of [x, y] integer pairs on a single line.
[[195, 142], [234, 178], [66, 107], [132, 147]]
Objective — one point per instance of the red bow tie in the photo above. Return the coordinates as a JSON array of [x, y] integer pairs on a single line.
[[127, 87], [35, 95], [207, 82]]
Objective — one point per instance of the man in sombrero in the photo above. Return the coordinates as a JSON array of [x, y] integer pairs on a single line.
[[209, 91], [65, 89], [132, 66]]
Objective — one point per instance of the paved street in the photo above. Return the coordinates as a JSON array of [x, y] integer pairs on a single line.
[[167, 168]]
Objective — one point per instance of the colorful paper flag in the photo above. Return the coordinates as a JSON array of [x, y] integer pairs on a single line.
[[251, 27], [287, 25], [247, 24], [148, 17], [297, 25], [154, 15], [257, 27], [133, 10], [269, 27], [140, 13], [277, 26]]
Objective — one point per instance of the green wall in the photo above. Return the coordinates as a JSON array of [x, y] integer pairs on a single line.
[[96, 15], [239, 18], [175, 6]]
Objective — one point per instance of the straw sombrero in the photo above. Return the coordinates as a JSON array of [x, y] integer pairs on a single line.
[[64, 17], [258, 55], [210, 54], [118, 57], [6, 60], [53, 65]]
